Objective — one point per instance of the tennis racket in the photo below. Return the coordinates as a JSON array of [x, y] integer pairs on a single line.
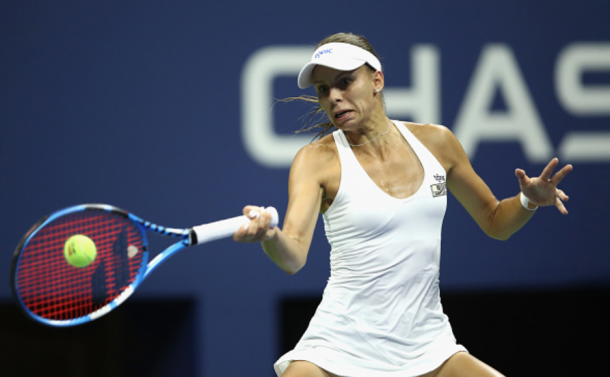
[[56, 293]]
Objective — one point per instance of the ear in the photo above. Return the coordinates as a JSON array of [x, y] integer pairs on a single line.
[[378, 81]]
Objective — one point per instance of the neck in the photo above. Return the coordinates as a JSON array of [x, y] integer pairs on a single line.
[[373, 133]]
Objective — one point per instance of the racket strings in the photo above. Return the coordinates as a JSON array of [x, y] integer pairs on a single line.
[[52, 288]]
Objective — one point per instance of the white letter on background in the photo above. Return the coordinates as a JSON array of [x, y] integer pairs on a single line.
[[421, 102], [583, 100], [475, 122], [262, 143]]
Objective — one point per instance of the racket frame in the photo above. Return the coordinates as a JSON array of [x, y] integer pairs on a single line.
[[144, 270], [189, 237]]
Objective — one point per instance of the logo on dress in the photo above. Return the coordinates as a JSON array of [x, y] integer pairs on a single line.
[[439, 189], [439, 178]]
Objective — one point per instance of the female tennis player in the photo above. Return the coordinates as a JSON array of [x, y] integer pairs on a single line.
[[381, 186]]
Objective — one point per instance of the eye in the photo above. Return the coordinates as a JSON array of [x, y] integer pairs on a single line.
[[322, 89], [345, 82]]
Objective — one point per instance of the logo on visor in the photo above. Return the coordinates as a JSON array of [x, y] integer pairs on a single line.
[[319, 54]]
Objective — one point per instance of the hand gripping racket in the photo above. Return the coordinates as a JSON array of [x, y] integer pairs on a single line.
[[57, 293]]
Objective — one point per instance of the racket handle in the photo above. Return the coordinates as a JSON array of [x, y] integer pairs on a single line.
[[225, 228]]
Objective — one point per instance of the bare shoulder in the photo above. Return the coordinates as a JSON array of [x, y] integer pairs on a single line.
[[316, 168], [315, 156], [430, 134], [322, 149], [439, 140]]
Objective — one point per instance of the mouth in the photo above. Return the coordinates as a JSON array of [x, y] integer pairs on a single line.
[[342, 114]]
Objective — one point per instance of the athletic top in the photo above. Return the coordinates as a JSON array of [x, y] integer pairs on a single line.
[[381, 313]]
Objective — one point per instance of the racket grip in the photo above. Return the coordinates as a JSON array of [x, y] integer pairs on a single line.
[[225, 228]]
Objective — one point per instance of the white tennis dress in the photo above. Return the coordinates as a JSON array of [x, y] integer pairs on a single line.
[[381, 313]]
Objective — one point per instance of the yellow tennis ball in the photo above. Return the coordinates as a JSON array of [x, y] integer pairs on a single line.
[[80, 250]]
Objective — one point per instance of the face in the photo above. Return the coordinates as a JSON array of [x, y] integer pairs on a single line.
[[347, 97]]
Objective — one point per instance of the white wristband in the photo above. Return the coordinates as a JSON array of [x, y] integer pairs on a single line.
[[525, 201]]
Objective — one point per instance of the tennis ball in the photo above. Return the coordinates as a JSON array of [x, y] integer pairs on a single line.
[[80, 250]]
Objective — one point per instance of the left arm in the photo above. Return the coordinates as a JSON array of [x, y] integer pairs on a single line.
[[498, 219]]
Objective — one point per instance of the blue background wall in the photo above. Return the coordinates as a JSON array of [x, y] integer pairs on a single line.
[[144, 106]]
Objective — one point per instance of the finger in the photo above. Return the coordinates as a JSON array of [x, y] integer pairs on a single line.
[[240, 234], [266, 235], [252, 226], [548, 170], [562, 195], [265, 219], [264, 224], [522, 177], [560, 206], [251, 212], [561, 174], [248, 209], [256, 229], [254, 212]]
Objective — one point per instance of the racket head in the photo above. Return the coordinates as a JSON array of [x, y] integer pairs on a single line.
[[52, 291]]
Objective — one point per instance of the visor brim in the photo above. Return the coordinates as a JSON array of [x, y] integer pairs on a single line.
[[304, 80]]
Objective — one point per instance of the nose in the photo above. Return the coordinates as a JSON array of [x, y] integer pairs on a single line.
[[335, 94]]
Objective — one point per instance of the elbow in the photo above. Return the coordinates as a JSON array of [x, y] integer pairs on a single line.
[[291, 270], [293, 265], [500, 236], [294, 262], [494, 229]]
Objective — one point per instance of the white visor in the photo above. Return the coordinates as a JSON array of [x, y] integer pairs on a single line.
[[340, 56]]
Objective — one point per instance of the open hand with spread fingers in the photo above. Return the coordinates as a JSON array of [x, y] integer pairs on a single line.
[[542, 191]]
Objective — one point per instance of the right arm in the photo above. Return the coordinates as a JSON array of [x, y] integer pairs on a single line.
[[288, 247]]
